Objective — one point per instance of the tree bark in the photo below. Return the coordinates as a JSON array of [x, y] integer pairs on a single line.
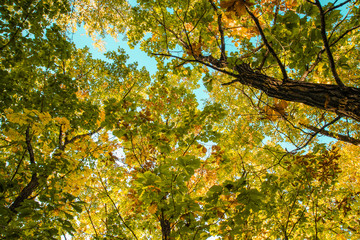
[[344, 102], [25, 193]]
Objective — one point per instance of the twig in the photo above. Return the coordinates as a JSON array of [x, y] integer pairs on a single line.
[[18, 166], [343, 35], [312, 67]]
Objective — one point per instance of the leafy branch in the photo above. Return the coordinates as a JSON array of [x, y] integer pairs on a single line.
[[116, 208]]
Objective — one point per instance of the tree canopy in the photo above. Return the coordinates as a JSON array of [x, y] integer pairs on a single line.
[[101, 149]]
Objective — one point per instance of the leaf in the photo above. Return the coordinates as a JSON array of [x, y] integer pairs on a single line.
[[153, 208], [236, 6]]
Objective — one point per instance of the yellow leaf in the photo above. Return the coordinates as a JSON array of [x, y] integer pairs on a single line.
[[227, 4], [153, 208], [63, 122], [237, 6]]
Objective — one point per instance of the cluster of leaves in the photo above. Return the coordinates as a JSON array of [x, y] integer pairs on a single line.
[[97, 149]]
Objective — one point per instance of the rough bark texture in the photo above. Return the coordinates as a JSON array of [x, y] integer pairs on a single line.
[[344, 102], [165, 228], [25, 193]]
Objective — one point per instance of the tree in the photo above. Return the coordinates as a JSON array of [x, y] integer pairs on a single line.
[[98, 149], [292, 51]]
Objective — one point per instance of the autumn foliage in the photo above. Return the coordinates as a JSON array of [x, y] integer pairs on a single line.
[[102, 149]]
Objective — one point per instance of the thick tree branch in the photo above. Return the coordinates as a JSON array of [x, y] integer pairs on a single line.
[[34, 182], [344, 102]]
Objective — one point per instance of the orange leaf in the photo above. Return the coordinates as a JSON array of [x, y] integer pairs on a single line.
[[153, 208]]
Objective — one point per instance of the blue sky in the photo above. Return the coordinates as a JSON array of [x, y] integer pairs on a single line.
[[81, 40]]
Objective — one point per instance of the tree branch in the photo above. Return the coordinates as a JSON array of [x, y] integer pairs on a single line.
[[18, 166], [271, 50], [343, 35], [80, 136], [221, 31], [34, 182], [317, 132], [91, 221], [337, 136], [337, 6], [327, 47], [116, 208], [312, 67]]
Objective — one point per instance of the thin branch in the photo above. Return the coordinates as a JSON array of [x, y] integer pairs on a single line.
[[18, 166], [80, 136], [337, 136], [60, 137], [327, 47], [317, 132], [198, 61], [338, 24], [343, 35], [92, 224], [29, 147], [34, 182], [192, 142], [337, 6], [221, 30], [116, 208], [291, 209], [312, 67], [12, 38], [282, 67]]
